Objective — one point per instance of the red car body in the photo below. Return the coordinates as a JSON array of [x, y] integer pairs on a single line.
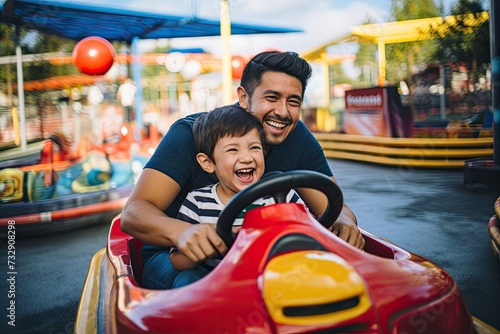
[[285, 273]]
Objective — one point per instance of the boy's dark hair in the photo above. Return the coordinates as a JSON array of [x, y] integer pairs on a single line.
[[230, 120], [276, 61]]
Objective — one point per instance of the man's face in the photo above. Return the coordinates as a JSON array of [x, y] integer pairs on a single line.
[[276, 102]]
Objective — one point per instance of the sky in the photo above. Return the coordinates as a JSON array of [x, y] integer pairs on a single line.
[[320, 20]]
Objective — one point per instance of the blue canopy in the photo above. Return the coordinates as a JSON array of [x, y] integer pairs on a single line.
[[77, 21]]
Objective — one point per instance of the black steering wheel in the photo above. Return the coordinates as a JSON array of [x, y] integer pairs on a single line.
[[278, 187]]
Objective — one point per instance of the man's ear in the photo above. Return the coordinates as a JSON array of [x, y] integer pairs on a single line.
[[205, 162], [242, 97]]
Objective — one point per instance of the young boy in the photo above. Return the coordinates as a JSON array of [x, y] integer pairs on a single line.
[[229, 144]]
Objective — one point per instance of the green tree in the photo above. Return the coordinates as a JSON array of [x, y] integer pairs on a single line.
[[7, 34], [8, 48], [43, 43], [402, 57], [365, 61], [409, 10], [466, 41], [338, 74], [33, 42]]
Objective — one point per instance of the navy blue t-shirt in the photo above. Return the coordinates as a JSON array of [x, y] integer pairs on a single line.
[[175, 156]]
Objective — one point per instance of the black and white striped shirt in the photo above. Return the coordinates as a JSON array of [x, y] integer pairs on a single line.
[[204, 206]]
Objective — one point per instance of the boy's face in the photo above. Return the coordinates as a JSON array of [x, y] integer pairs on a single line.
[[276, 102], [238, 162]]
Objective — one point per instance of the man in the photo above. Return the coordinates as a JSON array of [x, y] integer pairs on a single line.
[[272, 88]]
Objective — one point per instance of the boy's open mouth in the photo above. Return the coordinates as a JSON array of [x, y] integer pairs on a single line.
[[245, 174]]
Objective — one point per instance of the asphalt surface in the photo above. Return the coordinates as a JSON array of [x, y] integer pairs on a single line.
[[428, 212]]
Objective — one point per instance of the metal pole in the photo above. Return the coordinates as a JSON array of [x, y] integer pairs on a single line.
[[137, 75], [495, 77], [442, 93], [225, 32], [20, 91], [382, 63]]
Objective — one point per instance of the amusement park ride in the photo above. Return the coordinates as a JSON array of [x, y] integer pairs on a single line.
[[291, 275], [42, 194], [64, 188]]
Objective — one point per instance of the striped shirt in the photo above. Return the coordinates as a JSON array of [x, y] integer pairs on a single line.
[[204, 206]]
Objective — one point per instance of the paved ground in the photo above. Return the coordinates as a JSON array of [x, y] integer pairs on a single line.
[[426, 212], [432, 214]]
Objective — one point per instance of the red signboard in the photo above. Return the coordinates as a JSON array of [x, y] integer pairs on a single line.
[[365, 112], [376, 112]]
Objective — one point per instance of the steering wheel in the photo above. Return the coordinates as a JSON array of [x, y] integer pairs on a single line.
[[278, 187]]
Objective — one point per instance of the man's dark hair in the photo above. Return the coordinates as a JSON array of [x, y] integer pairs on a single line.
[[230, 120], [275, 61]]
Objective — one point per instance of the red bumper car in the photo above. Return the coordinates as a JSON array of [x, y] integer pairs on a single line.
[[284, 273]]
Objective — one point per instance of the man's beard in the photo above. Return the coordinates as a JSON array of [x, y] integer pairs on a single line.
[[271, 138]]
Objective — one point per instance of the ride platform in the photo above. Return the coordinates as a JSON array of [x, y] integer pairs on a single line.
[[438, 153]]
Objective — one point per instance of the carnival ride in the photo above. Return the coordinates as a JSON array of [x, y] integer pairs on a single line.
[[46, 193], [444, 144], [58, 191], [63, 186], [494, 229], [291, 275]]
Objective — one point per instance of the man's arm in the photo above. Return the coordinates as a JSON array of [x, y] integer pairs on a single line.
[[346, 225], [312, 157], [143, 218], [346, 228]]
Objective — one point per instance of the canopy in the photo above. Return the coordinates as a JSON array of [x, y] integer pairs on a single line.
[[77, 21], [396, 32], [416, 30]]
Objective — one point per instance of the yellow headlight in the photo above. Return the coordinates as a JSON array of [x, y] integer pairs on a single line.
[[312, 287]]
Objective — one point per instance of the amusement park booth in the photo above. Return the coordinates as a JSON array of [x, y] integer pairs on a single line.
[[377, 111]]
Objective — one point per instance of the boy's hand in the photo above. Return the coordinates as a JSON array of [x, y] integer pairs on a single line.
[[200, 241]]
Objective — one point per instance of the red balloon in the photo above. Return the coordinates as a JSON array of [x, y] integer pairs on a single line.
[[238, 65], [93, 55]]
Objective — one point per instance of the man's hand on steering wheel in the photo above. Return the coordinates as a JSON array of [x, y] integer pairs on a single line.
[[278, 186], [346, 228]]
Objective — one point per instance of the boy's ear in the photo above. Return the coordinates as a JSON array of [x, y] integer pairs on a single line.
[[206, 164]]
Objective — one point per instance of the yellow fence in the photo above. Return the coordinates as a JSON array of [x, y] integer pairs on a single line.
[[410, 152]]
